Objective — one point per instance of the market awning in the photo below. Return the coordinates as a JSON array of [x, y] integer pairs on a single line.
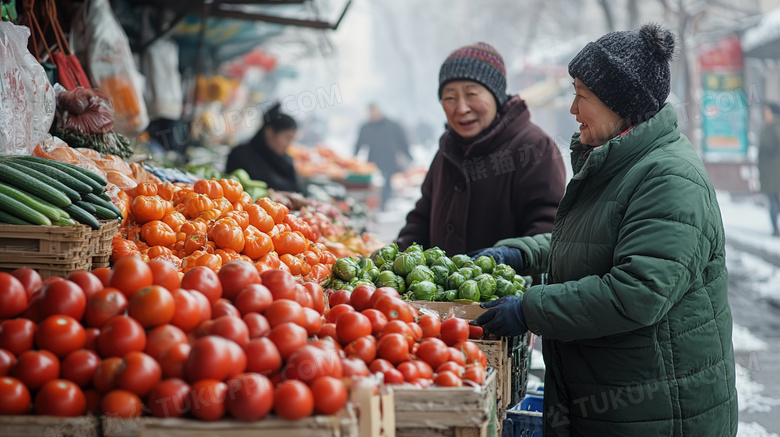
[[763, 40]]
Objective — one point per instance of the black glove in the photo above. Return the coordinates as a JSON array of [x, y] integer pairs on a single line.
[[504, 318], [510, 256]]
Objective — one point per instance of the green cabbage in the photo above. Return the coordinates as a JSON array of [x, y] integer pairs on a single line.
[[405, 262], [504, 271], [486, 263], [504, 287], [419, 274], [386, 255], [469, 290], [424, 290], [345, 268], [461, 259], [432, 254], [440, 274], [445, 262], [455, 280], [487, 285]]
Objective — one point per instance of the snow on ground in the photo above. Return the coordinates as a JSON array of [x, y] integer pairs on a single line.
[[749, 394], [753, 429], [745, 341], [766, 276], [746, 220]]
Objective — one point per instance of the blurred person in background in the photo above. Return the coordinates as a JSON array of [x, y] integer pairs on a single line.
[[769, 161], [635, 320], [387, 147], [265, 156], [496, 174]]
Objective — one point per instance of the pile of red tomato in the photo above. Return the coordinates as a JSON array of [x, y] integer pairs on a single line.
[[140, 339]]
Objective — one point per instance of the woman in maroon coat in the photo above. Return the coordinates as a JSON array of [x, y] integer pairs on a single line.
[[496, 174]]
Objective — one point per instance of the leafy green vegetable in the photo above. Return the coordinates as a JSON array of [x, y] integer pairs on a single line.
[[405, 262], [486, 263], [455, 280], [440, 274], [519, 282], [432, 254], [419, 274], [504, 287], [487, 285], [368, 274], [504, 271], [414, 248], [366, 262], [469, 290], [386, 254], [390, 279], [346, 268], [363, 282], [467, 272], [338, 284], [450, 295], [460, 259], [424, 290], [445, 262]]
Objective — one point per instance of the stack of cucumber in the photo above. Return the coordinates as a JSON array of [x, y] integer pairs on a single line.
[[39, 191]]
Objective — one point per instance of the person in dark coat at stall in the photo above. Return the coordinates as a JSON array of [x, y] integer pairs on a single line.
[[265, 156], [496, 174], [769, 161], [387, 146]]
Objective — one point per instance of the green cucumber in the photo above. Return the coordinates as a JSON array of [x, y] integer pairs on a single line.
[[81, 216], [104, 213], [12, 220], [22, 211], [74, 170], [59, 175], [105, 196], [86, 206], [62, 221], [72, 194], [24, 181], [33, 202], [98, 201]]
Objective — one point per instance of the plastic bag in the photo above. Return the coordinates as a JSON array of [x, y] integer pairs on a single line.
[[105, 52], [84, 110], [164, 93], [26, 96]]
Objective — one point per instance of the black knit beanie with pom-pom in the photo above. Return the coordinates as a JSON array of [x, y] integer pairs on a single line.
[[628, 70]]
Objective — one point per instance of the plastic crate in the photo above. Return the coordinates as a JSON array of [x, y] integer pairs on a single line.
[[520, 350], [525, 419]]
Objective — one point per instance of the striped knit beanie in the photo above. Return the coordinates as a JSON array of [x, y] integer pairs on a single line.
[[479, 62], [628, 70]]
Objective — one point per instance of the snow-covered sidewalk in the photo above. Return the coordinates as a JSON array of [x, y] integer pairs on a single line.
[[746, 221]]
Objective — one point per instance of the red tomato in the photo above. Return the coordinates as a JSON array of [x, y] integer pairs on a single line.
[[254, 298], [204, 304], [280, 283], [92, 336], [223, 307], [313, 321], [250, 396], [330, 395], [168, 398], [161, 338], [475, 374], [257, 325], [60, 335], [14, 397], [262, 356], [62, 297], [130, 274], [121, 403], [475, 331], [451, 366], [293, 400], [89, 283], [433, 351], [186, 313], [164, 274], [60, 397], [102, 273], [457, 356], [447, 379], [470, 350], [93, 400], [454, 330], [424, 370], [303, 297], [288, 337], [335, 312], [409, 370], [352, 325], [430, 325], [283, 311], [399, 327], [172, 360], [203, 279], [378, 320], [13, 299], [383, 291], [36, 368], [235, 276], [237, 359], [103, 305], [17, 335], [232, 328], [7, 360], [139, 374], [29, 278], [416, 331], [393, 376], [33, 311], [208, 359], [151, 306], [310, 362], [104, 378], [394, 309], [80, 366], [207, 399], [120, 336], [354, 367], [339, 297], [328, 330], [380, 365], [360, 299], [393, 348], [318, 300]]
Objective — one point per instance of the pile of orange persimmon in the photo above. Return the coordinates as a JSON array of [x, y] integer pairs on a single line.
[[212, 222]]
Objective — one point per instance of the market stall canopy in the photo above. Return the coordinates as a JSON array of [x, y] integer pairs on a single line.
[[763, 40]]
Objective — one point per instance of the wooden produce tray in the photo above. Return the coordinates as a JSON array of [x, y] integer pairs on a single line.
[[43, 241], [447, 411], [49, 426], [104, 237], [343, 424]]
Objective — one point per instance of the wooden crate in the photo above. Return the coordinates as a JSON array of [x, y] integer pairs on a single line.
[[41, 241], [343, 424], [49, 426], [375, 409], [446, 411], [104, 238]]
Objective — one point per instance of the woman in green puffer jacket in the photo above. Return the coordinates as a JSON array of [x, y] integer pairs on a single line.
[[635, 318]]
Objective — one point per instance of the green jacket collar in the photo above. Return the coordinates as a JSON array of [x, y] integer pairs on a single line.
[[627, 148]]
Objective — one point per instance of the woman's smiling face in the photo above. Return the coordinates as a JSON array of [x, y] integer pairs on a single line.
[[469, 107], [598, 123]]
